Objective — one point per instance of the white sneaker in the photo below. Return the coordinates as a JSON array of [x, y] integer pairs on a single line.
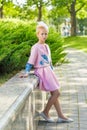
[[61, 120], [46, 118]]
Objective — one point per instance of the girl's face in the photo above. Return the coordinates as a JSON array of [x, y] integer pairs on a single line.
[[42, 35]]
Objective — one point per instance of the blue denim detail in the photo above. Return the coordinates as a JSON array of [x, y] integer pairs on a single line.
[[28, 67], [41, 63], [45, 57]]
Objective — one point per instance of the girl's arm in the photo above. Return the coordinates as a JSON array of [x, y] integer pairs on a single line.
[[27, 70], [28, 67], [31, 62]]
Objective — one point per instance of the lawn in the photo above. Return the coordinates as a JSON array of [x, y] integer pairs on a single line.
[[79, 42]]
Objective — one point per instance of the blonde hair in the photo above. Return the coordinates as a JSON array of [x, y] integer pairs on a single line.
[[41, 25]]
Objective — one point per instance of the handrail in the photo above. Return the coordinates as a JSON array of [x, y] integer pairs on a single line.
[[19, 90]]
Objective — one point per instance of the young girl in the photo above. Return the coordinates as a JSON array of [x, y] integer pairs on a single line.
[[40, 59]]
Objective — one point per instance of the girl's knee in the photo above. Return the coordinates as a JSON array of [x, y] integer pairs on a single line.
[[58, 94], [55, 93]]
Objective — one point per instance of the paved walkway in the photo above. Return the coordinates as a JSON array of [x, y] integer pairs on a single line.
[[73, 81]]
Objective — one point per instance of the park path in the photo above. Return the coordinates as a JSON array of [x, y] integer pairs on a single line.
[[73, 82]]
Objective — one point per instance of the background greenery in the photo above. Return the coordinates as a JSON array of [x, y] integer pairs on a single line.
[[55, 12], [17, 37], [78, 42]]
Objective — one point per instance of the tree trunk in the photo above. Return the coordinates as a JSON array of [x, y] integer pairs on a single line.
[[39, 13], [73, 24], [73, 19], [1, 11]]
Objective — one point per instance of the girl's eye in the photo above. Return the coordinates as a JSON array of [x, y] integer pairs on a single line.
[[44, 34]]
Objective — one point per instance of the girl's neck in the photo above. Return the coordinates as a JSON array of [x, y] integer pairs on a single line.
[[41, 42]]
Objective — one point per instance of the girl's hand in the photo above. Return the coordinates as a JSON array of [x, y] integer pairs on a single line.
[[25, 75]]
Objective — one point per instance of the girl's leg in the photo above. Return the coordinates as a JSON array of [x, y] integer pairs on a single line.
[[58, 108], [52, 100]]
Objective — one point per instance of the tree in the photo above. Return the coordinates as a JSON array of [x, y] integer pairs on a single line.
[[1, 8], [57, 16], [2, 4], [73, 7], [73, 12], [39, 5]]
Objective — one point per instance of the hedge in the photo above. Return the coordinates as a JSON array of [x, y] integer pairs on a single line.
[[16, 40]]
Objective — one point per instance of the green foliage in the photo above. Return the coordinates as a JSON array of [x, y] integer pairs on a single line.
[[16, 39], [56, 45]]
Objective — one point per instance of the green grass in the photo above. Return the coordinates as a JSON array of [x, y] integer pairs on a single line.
[[79, 42], [5, 77]]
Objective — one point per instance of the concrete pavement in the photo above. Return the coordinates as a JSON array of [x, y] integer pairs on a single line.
[[73, 81]]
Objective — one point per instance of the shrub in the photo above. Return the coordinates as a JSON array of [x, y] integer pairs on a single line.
[[16, 40], [56, 45]]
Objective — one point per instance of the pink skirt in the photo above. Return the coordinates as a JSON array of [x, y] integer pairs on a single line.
[[47, 79]]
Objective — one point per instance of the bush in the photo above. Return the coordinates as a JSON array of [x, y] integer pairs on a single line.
[[17, 37], [56, 45]]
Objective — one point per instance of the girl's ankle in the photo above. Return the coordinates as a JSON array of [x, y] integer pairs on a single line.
[[46, 114]]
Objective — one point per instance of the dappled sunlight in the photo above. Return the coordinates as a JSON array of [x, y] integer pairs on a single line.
[[72, 91], [78, 79], [82, 104], [82, 70]]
